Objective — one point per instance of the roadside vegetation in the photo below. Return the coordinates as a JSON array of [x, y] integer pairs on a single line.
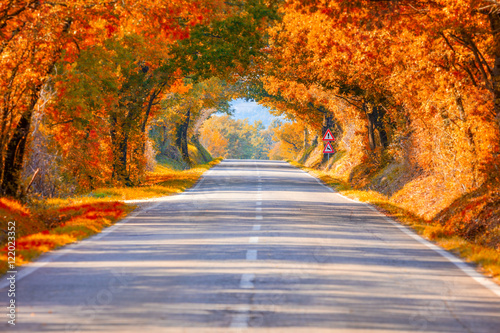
[[44, 225], [468, 227], [93, 94], [226, 137]]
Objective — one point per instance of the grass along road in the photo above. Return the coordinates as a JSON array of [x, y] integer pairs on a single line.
[[49, 224], [259, 246], [486, 259]]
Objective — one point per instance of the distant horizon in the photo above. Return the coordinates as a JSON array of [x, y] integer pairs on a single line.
[[252, 111]]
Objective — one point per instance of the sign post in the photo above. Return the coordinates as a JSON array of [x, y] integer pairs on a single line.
[[328, 137]]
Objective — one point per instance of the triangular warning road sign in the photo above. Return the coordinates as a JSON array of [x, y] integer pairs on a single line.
[[328, 149], [328, 136]]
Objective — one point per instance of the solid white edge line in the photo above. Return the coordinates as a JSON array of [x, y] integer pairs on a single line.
[[462, 265], [48, 257]]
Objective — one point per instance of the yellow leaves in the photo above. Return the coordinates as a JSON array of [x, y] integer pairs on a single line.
[[72, 222], [13, 207], [213, 140], [181, 87], [99, 23]]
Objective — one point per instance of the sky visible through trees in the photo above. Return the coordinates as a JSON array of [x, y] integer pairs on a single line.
[[253, 111], [94, 93]]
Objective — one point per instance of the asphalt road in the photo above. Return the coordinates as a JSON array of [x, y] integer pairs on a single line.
[[256, 246]]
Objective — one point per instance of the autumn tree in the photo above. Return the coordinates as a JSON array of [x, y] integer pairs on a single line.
[[109, 104], [415, 72], [184, 111], [289, 140], [231, 46], [36, 35], [236, 138]]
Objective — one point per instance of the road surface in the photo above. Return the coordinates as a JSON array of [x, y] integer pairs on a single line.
[[256, 246]]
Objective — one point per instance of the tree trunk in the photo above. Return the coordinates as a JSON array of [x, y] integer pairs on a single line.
[[328, 122], [494, 18], [129, 122], [371, 127], [315, 140], [306, 139], [151, 101], [16, 148], [469, 135], [119, 142], [182, 140], [375, 123]]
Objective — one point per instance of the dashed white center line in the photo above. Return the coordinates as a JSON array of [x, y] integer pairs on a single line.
[[252, 255], [240, 320], [242, 317], [246, 281]]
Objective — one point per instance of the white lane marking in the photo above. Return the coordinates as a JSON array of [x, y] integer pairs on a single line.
[[246, 281], [240, 320], [258, 209], [253, 240], [49, 257], [242, 317], [251, 254], [319, 182], [464, 267], [259, 203], [258, 217]]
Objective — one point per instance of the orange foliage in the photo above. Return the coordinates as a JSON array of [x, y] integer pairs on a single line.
[[72, 223], [25, 222], [14, 207], [289, 139], [417, 67], [41, 38], [412, 87]]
